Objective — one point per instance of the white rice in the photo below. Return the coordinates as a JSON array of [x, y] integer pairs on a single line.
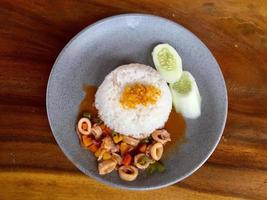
[[138, 122]]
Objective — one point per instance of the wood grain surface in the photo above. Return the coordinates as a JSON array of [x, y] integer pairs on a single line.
[[32, 33]]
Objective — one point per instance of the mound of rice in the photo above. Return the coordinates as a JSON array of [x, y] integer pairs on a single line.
[[143, 120]]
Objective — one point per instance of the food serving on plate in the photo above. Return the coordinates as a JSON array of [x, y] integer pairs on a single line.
[[127, 132]]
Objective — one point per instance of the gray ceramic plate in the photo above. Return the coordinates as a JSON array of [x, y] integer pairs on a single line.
[[129, 38]]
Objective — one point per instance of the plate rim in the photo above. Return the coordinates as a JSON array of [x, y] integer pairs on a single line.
[[102, 180]]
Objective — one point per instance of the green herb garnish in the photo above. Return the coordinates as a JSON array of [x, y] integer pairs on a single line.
[[151, 169], [146, 140], [97, 120], [87, 115], [113, 133], [156, 167], [143, 160], [160, 167]]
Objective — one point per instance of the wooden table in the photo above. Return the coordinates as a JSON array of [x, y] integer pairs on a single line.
[[32, 33]]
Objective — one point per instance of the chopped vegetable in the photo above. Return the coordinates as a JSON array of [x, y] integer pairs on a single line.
[[87, 141], [96, 142], [113, 133], [142, 148], [123, 148], [103, 127], [98, 152], [87, 115], [146, 140], [108, 130], [97, 120], [117, 138], [106, 156], [160, 167], [151, 169], [143, 160], [127, 159], [93, 148], [156, 167]]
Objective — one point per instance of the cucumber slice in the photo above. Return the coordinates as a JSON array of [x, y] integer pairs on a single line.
[[186, 97], [168, 62]]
